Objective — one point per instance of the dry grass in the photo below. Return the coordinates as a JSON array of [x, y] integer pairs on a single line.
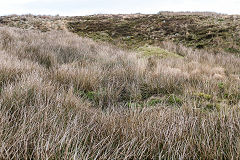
[[65, 97], [213, 14], [41, 22]]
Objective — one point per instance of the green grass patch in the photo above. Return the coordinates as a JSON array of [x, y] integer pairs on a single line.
[[204, 96], [232, 50], [135, 105], [100, 36], [174, 100], [148, 50], [154, 101]]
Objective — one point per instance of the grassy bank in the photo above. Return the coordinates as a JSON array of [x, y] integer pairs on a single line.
[[63, 96]]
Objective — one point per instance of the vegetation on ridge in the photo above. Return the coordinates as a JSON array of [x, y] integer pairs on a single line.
[[217, 34]]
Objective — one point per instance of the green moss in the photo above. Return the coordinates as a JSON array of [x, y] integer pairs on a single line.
[[154, 101], [232, 50], [221, 85], [91, 95], [220, 19], [225, 95], [134, 104], [173, 99], [204, 96], [156, 51], [99, 36]]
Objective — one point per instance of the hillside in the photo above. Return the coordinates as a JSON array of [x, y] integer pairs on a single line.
[[65, 96], [215, 33], [209, 31]]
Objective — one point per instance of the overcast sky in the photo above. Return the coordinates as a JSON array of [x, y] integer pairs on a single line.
[[87, 7]]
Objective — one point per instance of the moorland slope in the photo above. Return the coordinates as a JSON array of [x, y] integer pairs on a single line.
[[63, 96]]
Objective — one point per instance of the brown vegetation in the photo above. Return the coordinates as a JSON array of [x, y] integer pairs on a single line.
[[212, 32], [67, 97], [200, 30], [32, 22]]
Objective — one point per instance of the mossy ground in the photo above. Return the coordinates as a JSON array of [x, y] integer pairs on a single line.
[[157, 52]]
